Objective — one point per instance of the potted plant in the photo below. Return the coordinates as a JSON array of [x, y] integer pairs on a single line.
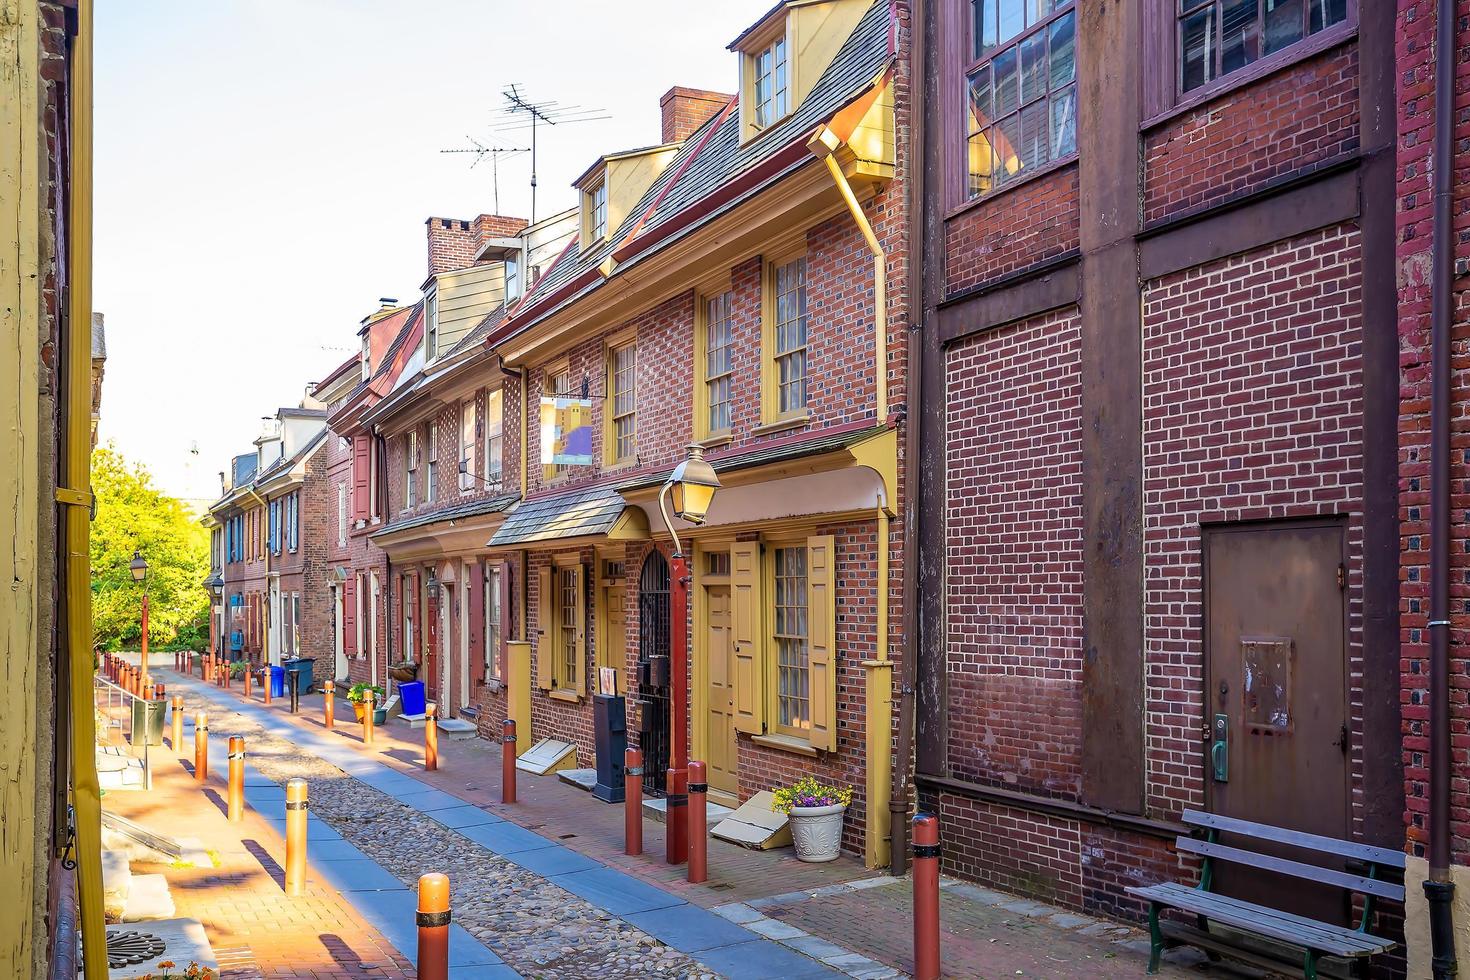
[[239, 667], [816, 812], [357, 694]]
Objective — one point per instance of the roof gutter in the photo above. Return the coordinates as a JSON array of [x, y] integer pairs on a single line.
[[1439, 887]]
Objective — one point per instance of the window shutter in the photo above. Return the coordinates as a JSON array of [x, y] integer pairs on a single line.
[[544, 631], [821, 595], [477, 622], [505, 617], [349, 617], [579, 683], [747, 610], [360, 472]]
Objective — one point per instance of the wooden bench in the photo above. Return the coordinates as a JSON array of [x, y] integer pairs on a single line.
[[1315, 939]]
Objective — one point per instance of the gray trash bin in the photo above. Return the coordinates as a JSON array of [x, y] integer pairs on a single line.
[[298, 671]]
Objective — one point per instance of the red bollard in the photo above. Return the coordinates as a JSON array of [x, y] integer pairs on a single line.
[[433, 923], [508, 761], [698, 832], [236, 801], [201, 747], [249, 676], [265, 683], [926, 896], [158, 690], [431, 738], [632, 801]]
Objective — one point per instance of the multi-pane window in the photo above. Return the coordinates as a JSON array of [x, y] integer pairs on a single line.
[[466, 445], [568, 610], [790, 336], [561, 387], [772, 93], [296, 621], [293, 520], [431, 475], [494, 435], [623, 391], [793, 666], [431, 324], [492, 621], [512, 277], [1217, 37], [275, 526], [410, 469], [597, 212], [718, 361], [1022, 89], [341, 515]]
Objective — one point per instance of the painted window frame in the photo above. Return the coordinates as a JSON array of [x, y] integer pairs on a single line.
[[410, 468], [1163, 93], [752, 50], [771, 411], [594, 211], [431, 322], [774, 573], [342, 514], [1043, 31], [468, 437], [493, 464], [512, 266], [567, 688], [431, 463], [494, 620], [613, 445], [704, 428]]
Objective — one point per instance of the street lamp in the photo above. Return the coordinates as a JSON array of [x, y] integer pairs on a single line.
[[139, 568], [692, 486]]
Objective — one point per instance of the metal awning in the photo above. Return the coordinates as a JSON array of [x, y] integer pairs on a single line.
[[597, 512]]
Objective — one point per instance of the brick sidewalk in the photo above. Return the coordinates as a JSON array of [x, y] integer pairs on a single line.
[[255, 929], [986, 934]]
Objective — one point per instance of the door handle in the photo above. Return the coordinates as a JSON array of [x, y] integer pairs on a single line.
[[1220, 749]]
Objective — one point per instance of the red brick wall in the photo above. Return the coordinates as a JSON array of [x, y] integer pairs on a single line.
[[1416, 125], [452, 244], [684, 110], [1303, 115], [1252, 378], [1014, 579], [1012, 230]]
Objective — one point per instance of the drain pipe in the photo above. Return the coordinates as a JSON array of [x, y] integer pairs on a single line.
[[1439, 889]]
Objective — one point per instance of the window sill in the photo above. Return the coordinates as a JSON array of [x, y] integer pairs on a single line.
[[1271, 64], [786, 743], [715, 441], [782, 425], [570, 697]]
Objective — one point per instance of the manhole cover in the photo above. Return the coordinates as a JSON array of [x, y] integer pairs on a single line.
[[131, 948]]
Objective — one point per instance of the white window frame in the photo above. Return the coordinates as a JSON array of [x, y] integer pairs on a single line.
[[342, 515], [494, 427], [431, 323], [467, 445], [410, 469], [493, 621]]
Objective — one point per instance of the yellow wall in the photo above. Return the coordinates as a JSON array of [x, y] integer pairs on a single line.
[[1416, 915], [22, 853]]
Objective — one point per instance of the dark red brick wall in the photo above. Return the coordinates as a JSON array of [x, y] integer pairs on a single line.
[[1012, 230], [1014, 536], [1414, 235], [1302, 115], [683, 110]]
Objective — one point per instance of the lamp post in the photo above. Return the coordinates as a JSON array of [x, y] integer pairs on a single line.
[[692, 487], [139, 568]]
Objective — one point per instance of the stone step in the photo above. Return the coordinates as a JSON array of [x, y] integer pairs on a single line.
[[148, 898], [184, 942], [117, 880], [658, 809]]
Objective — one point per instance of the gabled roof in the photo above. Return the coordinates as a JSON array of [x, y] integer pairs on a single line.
[[713, 157]]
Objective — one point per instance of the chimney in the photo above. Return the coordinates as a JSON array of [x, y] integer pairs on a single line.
[[488, 226], [686, 109], [452, 245]]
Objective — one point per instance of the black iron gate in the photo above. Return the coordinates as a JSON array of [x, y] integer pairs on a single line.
[[653, 669]]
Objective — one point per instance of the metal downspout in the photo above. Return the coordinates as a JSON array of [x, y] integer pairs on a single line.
[[86, 793], [1439, 889]]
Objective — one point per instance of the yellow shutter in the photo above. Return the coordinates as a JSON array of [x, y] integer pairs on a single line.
[[579, 682], [749, 636], [545, 630], [822, 639]]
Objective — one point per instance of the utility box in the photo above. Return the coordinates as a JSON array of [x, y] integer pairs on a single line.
[[148, 722], [610, 729]]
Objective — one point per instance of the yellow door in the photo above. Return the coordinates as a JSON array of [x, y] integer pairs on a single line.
[[723, 768], [613, 648]]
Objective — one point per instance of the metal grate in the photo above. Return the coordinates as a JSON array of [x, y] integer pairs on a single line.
[[653, 643]]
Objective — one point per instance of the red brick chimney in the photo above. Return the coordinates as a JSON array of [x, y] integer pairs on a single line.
[[488, 226], [686, 109], [452, 244]]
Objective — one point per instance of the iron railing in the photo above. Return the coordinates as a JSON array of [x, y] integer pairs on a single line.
[[123, 729]]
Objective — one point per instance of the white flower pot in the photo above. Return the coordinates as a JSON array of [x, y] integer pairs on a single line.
[[817, 832]]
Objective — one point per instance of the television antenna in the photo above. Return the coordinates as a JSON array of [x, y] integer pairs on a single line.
[[521, 113], [481, 151]]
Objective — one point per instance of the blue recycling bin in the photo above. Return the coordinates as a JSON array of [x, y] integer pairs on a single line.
[[412, 697], [278, 682], [300, 670]]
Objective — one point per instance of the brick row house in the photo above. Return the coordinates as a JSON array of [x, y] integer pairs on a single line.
[[1157, 472]]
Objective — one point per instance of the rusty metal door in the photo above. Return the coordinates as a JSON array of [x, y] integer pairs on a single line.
[[1276, 706]]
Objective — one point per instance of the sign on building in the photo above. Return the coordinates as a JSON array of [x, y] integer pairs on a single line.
[[566, 431]]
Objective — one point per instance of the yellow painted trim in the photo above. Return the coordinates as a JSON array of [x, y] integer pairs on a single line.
[[699, 651], [770, 395], [786, 743], [878, 691], [518, 690], [610, 349], [561, 694], [631, 525], [86, 793]]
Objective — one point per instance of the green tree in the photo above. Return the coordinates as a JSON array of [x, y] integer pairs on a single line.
[[134, 515]]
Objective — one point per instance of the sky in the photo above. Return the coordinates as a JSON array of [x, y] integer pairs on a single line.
[[264, 169]]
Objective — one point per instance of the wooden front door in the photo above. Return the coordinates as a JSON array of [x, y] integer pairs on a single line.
[[723, 766], [430, 676], [1276, 694], [612, 646]]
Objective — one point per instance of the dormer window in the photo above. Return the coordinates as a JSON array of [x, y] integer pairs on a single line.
[[594, 220], [364, 359], [512, 277], [431, 324], [771, 95]]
